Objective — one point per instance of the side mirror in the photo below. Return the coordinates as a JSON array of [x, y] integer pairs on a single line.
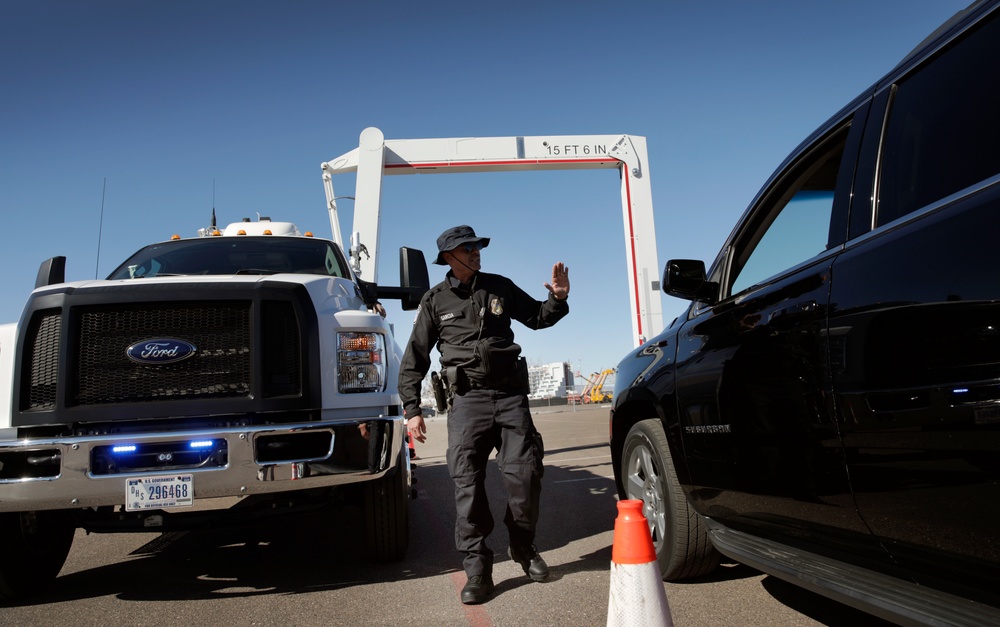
[[412, 277], [685, 278], [51, 271]]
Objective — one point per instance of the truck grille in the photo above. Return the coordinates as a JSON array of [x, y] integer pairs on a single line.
[[138, 352], [220, 368], [43, 370]]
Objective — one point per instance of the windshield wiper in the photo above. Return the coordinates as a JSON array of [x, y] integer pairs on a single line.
[[157, 274]]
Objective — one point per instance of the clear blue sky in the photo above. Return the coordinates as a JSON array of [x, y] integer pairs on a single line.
[[168, 100]]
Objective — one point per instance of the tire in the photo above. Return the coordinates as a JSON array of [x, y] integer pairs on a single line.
[[387, 515], [33, 549], [683, 549]]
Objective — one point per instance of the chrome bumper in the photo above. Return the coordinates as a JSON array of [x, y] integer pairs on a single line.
[[74, 485]]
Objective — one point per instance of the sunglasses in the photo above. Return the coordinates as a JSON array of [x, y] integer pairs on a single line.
[[471, 247]]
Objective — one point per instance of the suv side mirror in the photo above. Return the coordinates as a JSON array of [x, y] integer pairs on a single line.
[[685, 278]]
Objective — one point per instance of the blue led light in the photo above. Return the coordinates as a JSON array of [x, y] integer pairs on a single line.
[[124, 448], [960, 390], [201, 444]]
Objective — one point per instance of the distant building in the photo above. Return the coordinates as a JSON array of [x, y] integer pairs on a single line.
[[550, 381]]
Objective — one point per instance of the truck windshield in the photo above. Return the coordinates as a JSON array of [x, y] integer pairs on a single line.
[[235, 255]]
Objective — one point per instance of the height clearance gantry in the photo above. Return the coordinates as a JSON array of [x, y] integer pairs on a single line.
[[376, 157]]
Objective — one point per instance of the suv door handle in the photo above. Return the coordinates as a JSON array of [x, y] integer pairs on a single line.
[[793, 310]]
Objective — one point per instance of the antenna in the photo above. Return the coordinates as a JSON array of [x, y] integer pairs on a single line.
[[100, 228], [213, 204]]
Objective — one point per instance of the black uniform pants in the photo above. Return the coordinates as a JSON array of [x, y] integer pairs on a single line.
[[479, 422]]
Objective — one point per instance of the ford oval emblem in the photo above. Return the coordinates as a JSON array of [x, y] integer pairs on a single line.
[[160, 351]]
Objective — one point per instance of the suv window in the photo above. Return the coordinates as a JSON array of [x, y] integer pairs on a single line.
[[941, 136], [797, 225]]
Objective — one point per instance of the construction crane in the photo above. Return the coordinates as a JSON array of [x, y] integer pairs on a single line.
[[584, 396], [593, 391], [597, 393]]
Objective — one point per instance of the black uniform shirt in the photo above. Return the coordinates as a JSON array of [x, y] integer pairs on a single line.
[[470, 324]]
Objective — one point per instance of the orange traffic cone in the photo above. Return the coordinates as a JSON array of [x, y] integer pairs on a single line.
[[637, 596], [410, 444]]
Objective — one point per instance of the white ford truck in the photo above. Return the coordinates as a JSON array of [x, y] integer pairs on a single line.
[[249, 362]]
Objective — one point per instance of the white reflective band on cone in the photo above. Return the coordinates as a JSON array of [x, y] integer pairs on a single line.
[[637, 597]]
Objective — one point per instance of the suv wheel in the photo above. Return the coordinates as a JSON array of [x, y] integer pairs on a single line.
[[683, 549]]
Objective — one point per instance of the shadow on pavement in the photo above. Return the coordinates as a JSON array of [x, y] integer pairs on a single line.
[[324, 550]]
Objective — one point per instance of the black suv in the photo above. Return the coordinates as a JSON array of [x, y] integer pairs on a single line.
[[827, 410]]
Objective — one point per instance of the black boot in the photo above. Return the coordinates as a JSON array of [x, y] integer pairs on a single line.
[[477, 590], [532, 563]]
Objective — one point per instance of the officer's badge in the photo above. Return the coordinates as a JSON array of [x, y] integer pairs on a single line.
[[496, 307]]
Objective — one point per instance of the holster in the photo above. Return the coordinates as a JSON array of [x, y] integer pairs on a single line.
[[456, 381], [442, 395]]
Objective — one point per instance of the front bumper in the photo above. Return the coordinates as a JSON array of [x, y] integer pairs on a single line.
[[68, 472]]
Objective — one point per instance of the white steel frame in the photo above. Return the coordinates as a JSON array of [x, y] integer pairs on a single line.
[[376, 157]]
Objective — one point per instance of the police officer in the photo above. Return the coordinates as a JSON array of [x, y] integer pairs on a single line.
[[468, 317]]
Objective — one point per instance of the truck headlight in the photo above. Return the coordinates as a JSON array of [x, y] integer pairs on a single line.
[[360, 362]]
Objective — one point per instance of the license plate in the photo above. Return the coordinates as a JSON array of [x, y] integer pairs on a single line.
[[987, 416], [159, 492]]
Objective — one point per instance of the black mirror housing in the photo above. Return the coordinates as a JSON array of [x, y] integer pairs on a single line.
[[412, 277], [685, 278], [51, 271], [413, 281]]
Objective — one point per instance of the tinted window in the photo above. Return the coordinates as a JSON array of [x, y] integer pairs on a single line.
[[943, 132], [793, 224]]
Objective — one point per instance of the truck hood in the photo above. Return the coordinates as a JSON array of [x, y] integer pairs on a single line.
[[320, 287]]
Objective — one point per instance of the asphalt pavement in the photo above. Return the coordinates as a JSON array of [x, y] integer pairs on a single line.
[[310, 570]]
